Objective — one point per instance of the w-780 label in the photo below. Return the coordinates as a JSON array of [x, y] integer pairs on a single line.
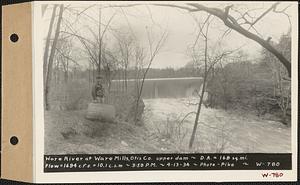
[[268, 163], [272, 174]]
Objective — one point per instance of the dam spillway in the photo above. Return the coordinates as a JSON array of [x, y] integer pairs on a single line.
[[163, 87]]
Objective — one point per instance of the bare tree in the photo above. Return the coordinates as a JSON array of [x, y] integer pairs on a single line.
[[125, 47], [48, 39], [209, 62], [51, 58], [93, 47], [64, 52], [154, 48]]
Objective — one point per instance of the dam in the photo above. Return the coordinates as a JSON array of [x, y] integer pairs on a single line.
[[163, 87]]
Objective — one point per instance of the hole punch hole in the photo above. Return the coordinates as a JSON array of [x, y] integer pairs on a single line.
[[14, 140], [14, 37]]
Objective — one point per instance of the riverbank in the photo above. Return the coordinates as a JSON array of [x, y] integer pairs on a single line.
[[165, 131]]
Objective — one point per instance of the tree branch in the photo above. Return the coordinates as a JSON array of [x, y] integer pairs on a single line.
[[230, 22], [265, 13]]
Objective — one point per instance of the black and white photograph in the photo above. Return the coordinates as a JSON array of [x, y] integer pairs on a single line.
[[167, 77]]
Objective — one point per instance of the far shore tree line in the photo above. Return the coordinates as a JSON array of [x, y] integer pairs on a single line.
[[232, 79]]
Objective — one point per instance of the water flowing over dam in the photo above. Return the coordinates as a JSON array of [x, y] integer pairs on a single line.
[[164, 87]]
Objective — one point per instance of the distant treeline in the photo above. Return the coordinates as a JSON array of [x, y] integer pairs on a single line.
[[152, 73]]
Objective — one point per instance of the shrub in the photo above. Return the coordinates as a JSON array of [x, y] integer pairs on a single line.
[[172, 129], [125, 104], [73, 95]]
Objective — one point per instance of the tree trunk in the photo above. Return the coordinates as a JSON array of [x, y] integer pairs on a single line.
[[46, 52], [198, 113], [284, 117], [66, 72], [100, 44], [51, 58], [125, 78], [139, 94], [93, 79], [202, 92], [89, 75], [57, 74], [66, 77]]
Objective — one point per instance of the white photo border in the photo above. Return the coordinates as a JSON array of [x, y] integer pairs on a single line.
[[146, 176]]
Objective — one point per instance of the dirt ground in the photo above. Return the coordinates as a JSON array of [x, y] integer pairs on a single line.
[[165, 131]]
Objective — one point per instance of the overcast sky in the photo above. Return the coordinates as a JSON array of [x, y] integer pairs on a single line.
[[180, 25]]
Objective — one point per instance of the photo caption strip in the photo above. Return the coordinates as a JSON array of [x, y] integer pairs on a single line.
[[142, 162]]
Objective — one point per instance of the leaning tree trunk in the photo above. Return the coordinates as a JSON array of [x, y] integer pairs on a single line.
[[202, 94], [51, 59], [198, 113]]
